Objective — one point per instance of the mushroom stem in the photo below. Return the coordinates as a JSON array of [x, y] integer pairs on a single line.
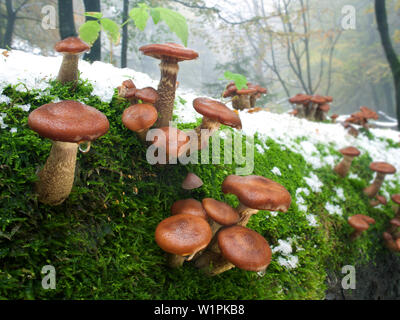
[[241, 102], [245, 214], [218, 265], [344, 166], [175, 261], [142, 135], [374, 188], [205, 130], [212, 252], [69, 68], [166, 92], [57, 176], [355, 234]]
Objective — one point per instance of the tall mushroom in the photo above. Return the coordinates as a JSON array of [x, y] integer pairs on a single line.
[[169, 54], [139, 118], [349, 154], [381, 169], [66, 123], [71, 48], [256, 193], [182, 236], [214, 114], [359, 223]]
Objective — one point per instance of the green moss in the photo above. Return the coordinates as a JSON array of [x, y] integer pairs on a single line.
[[101, 239]]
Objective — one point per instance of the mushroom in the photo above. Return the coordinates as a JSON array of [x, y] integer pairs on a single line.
[[241, 100], [334, 117], [147, 95], [396, 199], [67, 124], [127, 90], [361, 117], [256, 193], [394, 225], [220, 214], [169, 54], [257, 95], [139, 118], [322, 110], [359, 223], [316, 102], [379, 200], [189, 206], [71, 48], [349, 154], [302, 102], [382, 169], [391, 243], [182, 236], [240, 247], [191, 182], [214, 114]]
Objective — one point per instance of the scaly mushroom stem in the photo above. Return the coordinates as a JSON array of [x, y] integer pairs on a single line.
[[245, 214], [166, 92], [344, 166], [374, 188], [69, 68], [205, 130], [57, 176]]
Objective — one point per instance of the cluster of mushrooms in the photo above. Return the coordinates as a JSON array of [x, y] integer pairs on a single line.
[[359, 222], [244, 98], [313, 108], [214, 235], [361, 117]]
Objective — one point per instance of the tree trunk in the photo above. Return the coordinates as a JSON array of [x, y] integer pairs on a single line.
[[11, 16], [124, 44], [394, 62], [95, 50], [66, 18]]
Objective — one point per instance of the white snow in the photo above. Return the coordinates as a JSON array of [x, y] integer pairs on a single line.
[[333, 209], [276, 171], [284, 249]]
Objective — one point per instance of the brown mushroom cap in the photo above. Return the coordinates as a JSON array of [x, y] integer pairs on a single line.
[[147, 95], [71, 45], [382, 167], [395, 222], [191, 182], [396, 198], [381, 199], [249, 90], [318, 99], [328, 99], [169, 50], [334, 116], [217, 111], [183, 234], [300, 99], [189, 206], [325, 107], [68, 121], [220, 212], [129, 84], [257, 192], [139, 117], [173, 141], [360, 222], [350, 151], [244, 248]]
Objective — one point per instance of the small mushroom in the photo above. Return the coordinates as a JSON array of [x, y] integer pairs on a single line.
[[378, 200], [396, 200], [220, 214], [394, 225], [243, 248], [182, 236], [191, 182], [71, 48], [67, 124], [147, 95], [214, 114], [382, 169], [391, 243], [349, 154], [127, 90], [139, 118], [359, 223], [169, 54], [189, 206], [302, 102], [334, 117], [256, 193], [241, 100]]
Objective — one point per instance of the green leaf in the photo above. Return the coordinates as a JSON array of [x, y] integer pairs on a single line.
[[239, 80], [97, 15], [111, 29], [140, 17], [89, 31], [176, 23], [155, 14]]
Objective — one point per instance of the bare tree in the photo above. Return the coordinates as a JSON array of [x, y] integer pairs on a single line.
[[11, 16]]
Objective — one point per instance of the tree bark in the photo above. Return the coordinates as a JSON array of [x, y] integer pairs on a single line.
[[394, 62], [66, 19], [124, 44], [95, 50]]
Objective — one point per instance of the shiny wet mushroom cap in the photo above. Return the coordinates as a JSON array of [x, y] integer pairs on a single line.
[[72, 45], [183, 234], [147, 95], [350, 151], [68, 121], [220, 212], [189, 206], [139, 117], [244, 248], [169, 50], [382, 167]]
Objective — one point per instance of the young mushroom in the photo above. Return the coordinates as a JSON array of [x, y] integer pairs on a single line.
[[127, 90], [242, 248], [139, 118], [169, 54], [378, 200], [214, 114], [182, 236], [191, 182], [67, 124], [71, 48], [382, 169], [189, 206], [256, 193], [359, 223], [349, 154]]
